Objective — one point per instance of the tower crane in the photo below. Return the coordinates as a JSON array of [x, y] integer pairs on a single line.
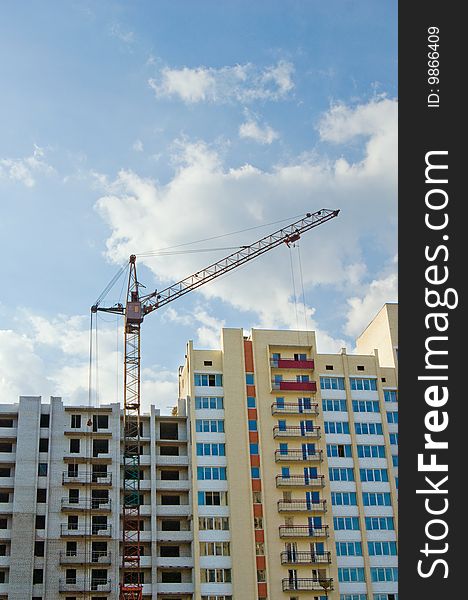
[[135, 310]]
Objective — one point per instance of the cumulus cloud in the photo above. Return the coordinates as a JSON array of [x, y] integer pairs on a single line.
[[364, 308], [26, 170], [205, 199], [250, 129], [51, 357], [241, 83]]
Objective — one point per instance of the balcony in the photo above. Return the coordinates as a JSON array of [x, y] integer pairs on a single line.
[[300, 480], [94, 557], [172, 484], [301, 506], [295, 455], [305, 558], [292, 385], [291, 363], [99, 531], [80, 586], [303, 531], [102, 505], [87, 479], [294, 408], [307, 585], [296, 431]]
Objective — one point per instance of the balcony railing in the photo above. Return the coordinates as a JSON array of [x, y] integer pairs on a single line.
[[291, 363], [296, 431], [294, 455], [94, 504], [77, 585], [96, 557], [293, 408], [95, 530], [302, 506], [300, 480], [87, 478], [301, 531], [305, 558], [306, 585], [292, 385]]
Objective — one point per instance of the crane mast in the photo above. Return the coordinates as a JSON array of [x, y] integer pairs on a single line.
[[134, 311]]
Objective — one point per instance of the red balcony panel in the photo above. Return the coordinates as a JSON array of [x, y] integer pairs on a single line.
[[258, 510], [261, 562], [256, 485], [253, 437], [290, 363], [251, 390], [259, 535], [296, 386], [254, 460], [248, 356], [252, 414], [262, 590]]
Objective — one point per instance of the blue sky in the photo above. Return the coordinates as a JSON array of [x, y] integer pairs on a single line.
[[133, 126]]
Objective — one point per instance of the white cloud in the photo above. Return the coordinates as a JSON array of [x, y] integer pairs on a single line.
[[137, 146], [252, 130], [51, 357], [207, 327], [242, 83], [127, 37], [205, 199], [25, 170], [363, 309]]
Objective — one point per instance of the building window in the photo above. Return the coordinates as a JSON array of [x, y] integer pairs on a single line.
[[215, 549], [373, 474], [346, 523], [39, 548], [339, 450], [5, 472], [215, 575], [391, 395], [384, 574], [329, 367], [348, 549], [382, 548], [211, 449], [40, 521], [255, 473], [4, 497], [6, 422], [343, 498], [336, 427], [249, 379], [368, 451], [211, 473], [212, 498], [394, 439], [208, 379], [368, 428], [363, 384], [379, 523], [254, 449], [213, 523], [44, 420], [38, 576], [41, 495], [366, 406], [208, 363], [252, 425], [392, 417], [209, 425], [44, 445], [334, 405], [376, 499], [42, 470], [75, 421], [74, 446], [351, 574], [332, 383], [251, 402], [209, 402], [341, 474]]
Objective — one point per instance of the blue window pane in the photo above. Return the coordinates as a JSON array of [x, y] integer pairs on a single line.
[[252, 425], [251, 402], [249, 379]]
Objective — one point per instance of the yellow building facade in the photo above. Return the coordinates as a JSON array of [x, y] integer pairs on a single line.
[[294, 465]]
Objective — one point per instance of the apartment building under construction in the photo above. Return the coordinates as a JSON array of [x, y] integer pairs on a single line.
[[277, 479]]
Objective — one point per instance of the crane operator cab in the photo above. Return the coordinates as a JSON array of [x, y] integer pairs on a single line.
[[134, 312]]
